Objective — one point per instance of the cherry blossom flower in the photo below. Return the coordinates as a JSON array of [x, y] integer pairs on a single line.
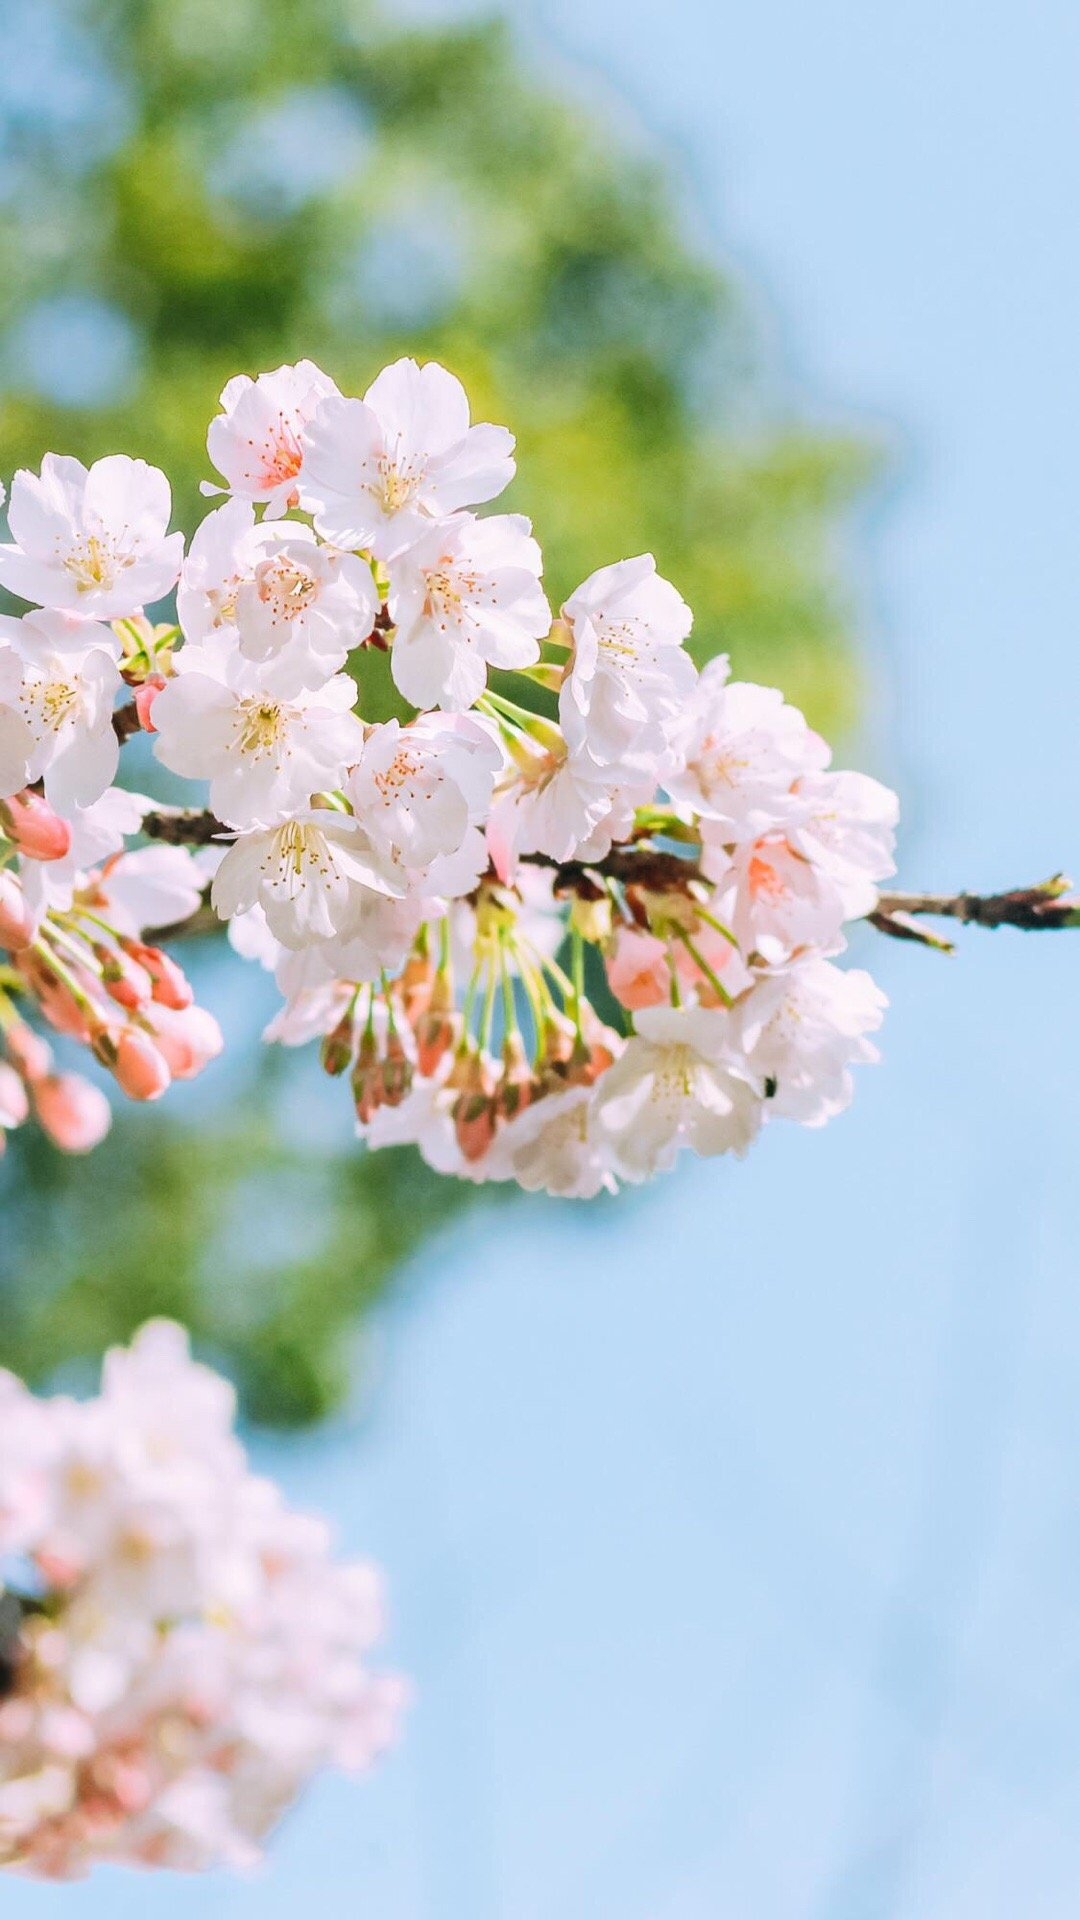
[[679, 1083], [95, 832], [465, 596], [264, 750], [423, 792], [200, 1653], [256, 440], [92, 541], [741, 750], [375, 470], [801, 1029], [629, 676], [557, 1147], [848, 828], [276, 593], [313, 876], [58, 683], [775, 899]]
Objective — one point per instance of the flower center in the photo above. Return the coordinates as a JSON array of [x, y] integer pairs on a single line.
[[260, 727], [282, 458], [48, 703], [94, 563], [674, 1078], [398, 481], [286, 586], [618, 637]]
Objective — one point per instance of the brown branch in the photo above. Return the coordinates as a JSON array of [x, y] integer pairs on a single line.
[[1048, 906], [126, 721]]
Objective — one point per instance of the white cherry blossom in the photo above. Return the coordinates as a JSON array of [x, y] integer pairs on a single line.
[[58, 684], [91, 540], [629, 676], [465, 596], [802, 1029], [376, 469], [96, 832], [776, 900], [423, 792], [312, 875], [265, 751], [848, 828], [256, 440], [741, 749], [677, 1084], [556, 1146]]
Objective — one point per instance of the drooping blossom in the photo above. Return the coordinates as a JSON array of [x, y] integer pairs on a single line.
[[802, 1029], [256, 441], [93, 541], [678, 1083], [377, 469], [313, 876], [187, 1652]]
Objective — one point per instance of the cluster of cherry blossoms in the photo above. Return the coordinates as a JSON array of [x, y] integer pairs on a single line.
[[551, 939], [179, 1652]]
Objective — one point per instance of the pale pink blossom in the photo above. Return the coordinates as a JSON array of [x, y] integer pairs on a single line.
[[556, 1146], [741, 748], [312, 875], [91, 541], [58, 683], [74, 1113], [802, 1029], [466, 595], [264, 749], [629, 676], [256, 441], [679, 1083], [847, 826], [423, 792], [201, 1653], [775, 900], [376, 470]]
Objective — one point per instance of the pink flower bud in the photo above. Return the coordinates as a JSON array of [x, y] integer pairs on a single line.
[[170, 985], [35, 829], [637, 969], [57, 1002], [123, 979], [75, 1115], [16, 919], [28, 1051], [141, 1069], [144, 700], [188, 1038], [14, 1105]]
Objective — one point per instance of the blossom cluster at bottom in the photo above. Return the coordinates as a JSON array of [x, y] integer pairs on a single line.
[[179, 1652]]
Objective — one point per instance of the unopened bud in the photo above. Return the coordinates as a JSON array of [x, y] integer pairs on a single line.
[[144, 700], [475, 1123], [14, 1105], [16, 919], [30, 823], [140, 1067], [123, 979], [27, 1051], [169, 984], [188, 1037], [75, 1115], [437, 1034], [416, 985]]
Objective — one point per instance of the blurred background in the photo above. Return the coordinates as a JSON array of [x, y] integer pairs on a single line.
[[733, 1529]]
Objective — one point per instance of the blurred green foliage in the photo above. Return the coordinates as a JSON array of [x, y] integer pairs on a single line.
[[222, 185]]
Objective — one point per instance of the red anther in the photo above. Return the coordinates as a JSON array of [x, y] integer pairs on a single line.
[[75, 1115], [29, 821], [140, 1067], [16, 919]]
